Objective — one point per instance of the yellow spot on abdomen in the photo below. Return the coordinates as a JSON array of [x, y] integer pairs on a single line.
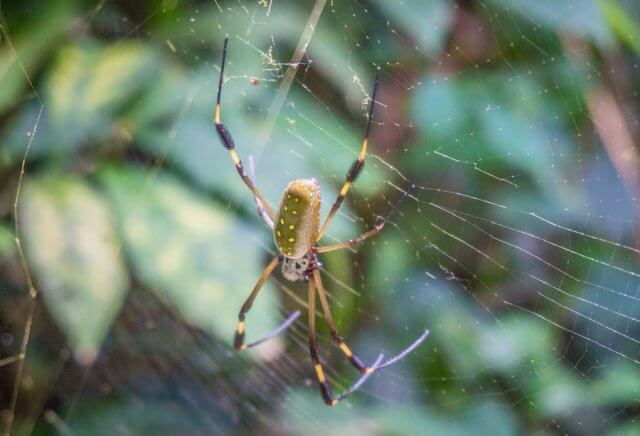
[[292, 239], [291, 227]]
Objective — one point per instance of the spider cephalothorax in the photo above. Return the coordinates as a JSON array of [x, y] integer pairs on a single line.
[[296, 270], [297, 232]]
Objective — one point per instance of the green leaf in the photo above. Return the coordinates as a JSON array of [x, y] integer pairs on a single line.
[[507, 128], [75, 255], [514, 342], [390, 265], [621, 23], [628, 428], [88, 84], [27, 49], [84, 96], [552, 388], [191, 251], [427, 22], [618, 385], [483, 417], [7, 241], [458, 330], [579, 17], [135, 415]]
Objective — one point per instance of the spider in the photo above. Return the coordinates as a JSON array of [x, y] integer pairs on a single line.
[[297, 231]]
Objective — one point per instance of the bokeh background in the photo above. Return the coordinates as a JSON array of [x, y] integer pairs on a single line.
[[128, 242]]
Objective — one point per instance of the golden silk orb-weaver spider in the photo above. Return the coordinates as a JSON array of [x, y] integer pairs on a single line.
[[297, 232]]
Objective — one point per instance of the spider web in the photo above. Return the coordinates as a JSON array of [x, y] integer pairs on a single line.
[[517, 248]]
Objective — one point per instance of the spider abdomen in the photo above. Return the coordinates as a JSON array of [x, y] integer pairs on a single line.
[[298, 221]]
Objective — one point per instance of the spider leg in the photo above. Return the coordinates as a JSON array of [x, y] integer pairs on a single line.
[[378, 228], [238, 341], [265, 217], [355, 167], [355, 361], [227, 141], [325, 388]]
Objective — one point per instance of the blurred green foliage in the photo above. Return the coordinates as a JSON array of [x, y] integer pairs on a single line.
[[128, 198]]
